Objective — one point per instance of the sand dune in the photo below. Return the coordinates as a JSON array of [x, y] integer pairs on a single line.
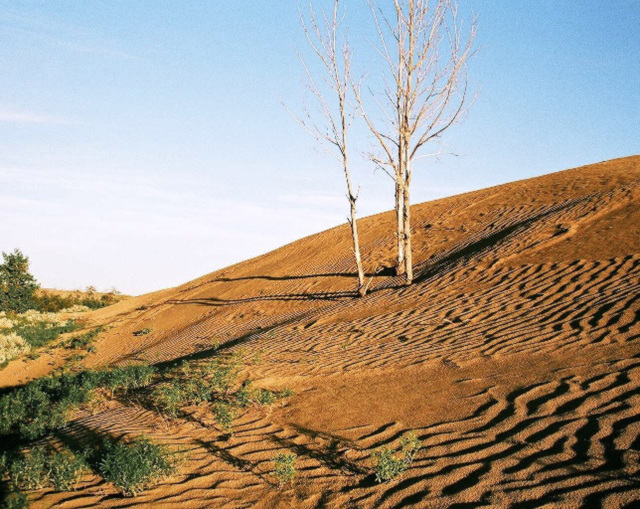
[[515, 357]]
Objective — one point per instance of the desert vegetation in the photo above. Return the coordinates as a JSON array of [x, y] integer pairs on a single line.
[[44, 406], [23, 332], [31, 318]]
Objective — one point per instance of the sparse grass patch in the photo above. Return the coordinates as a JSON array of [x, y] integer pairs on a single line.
[[41, 467], [134, 466], [224, 414], [142, 332], [285, 468], [389, 464], [46, 404], [84, 340], [248, 395]]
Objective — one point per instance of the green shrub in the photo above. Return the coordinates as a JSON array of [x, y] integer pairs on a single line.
[[52, 303], [84, 340], [169, 398], [224, 414], [389, 464], [40, 333], [17, 285], [136, 465], [29, 471], [142, 332], [14, 499], [41, 467], [65, 469], [284, 468], [126, 378], [46, 404], [248, 395]]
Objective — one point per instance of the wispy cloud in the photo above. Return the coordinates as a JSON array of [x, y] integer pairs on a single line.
[[58, 32], [10, 116]]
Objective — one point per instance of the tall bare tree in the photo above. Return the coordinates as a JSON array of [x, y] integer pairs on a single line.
[[329, 124], [425, 92]]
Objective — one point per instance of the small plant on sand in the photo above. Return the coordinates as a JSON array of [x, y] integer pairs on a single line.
[[224, 414], [142, 332], [248, 395], [14, 499], [389, 464], [284, 468], [84, 340], [41, 467], [136, 465], [65, 469]]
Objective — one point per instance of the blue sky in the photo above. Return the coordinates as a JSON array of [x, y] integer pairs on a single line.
[[143, 144]]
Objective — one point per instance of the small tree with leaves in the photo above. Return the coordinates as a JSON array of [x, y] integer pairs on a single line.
[[17, 285]]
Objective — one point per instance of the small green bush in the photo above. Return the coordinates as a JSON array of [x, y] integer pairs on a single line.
[[224, 414], [40, 333], [65, 469], [41, 467], [84, 340], [248, 395], [46, 404], [284, 468], [126, 378], [169, 398], [29, 471], [142, 332], [136, 465], [14, 499], [389, 464]]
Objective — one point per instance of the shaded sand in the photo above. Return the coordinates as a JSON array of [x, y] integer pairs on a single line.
[[515, 357]]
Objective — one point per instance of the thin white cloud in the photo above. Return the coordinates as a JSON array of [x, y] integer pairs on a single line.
[[8, 116]]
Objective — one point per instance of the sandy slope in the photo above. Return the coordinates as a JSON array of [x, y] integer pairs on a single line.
[[516, 358]]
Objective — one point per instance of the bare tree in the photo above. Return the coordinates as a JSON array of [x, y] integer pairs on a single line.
[[425, 93], [334, 115]]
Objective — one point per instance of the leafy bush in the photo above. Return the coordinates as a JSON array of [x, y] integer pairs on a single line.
[[75, 302], [84, 340], [14, 499], [169, 398], [136, 465], [29, 471], [65, 469], [248, 395], [142, 332], [20, 332], [224, 414], [389, 464], [40, 333], [17, 285], [284, 468], [46, 404], [41, 467], [126, 378], [12, 346]]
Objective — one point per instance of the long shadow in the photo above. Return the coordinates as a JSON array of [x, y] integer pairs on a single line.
[[292, 278], [331, 456], [215, 301], [432, 268], [234, 461]]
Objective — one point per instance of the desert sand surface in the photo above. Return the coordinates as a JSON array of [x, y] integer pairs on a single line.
[[515, 357]]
